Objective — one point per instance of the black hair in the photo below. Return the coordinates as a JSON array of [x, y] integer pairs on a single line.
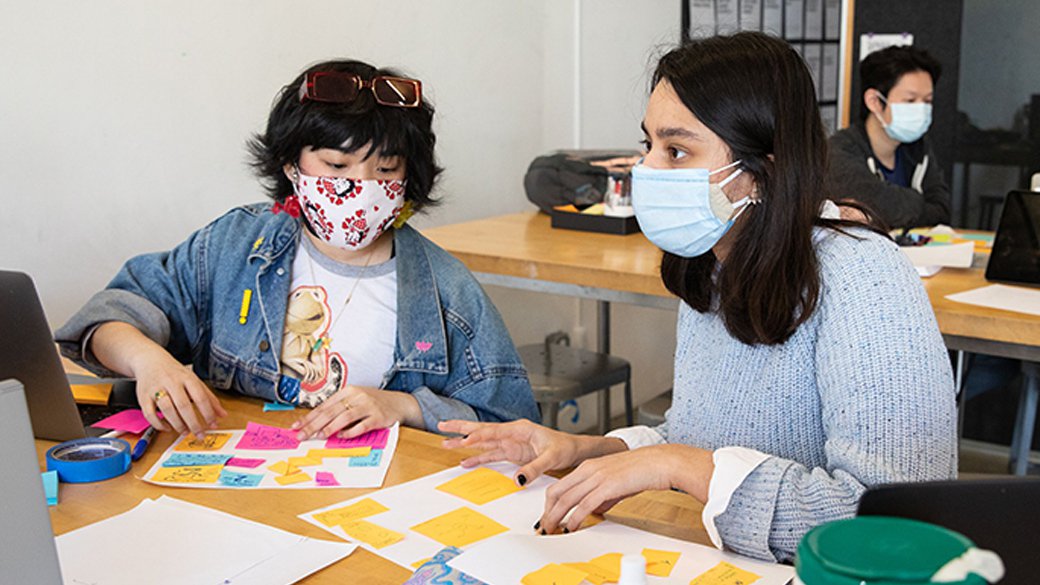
[[391, 131], [755, 92], [883, 69]]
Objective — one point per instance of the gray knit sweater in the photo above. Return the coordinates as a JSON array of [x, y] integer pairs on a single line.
[[861, 394]]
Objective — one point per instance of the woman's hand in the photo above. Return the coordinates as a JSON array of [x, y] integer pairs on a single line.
[[597, 484], [535, 448], [163, 383], [357, 410]]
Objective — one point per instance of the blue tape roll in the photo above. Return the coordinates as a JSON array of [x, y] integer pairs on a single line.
[[87, 460]]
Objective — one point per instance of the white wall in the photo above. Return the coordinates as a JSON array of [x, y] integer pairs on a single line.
[[123, 123]]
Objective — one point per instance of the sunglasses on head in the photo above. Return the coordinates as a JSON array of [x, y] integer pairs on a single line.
[[341, 88]]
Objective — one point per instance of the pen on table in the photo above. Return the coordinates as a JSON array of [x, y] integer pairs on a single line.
[[142, 444]]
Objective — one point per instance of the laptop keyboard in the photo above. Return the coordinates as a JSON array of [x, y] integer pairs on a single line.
[[92, 413]]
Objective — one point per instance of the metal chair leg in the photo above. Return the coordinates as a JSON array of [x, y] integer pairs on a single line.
[[604, 410], [629, 414], [550, 414], [1025, 421]]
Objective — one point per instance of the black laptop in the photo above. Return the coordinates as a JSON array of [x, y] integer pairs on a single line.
[[1000, 514], [1016, 249], [28, 354]]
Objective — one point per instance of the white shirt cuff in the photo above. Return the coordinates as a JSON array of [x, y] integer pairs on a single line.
[[636, 437], [829, 210], [732, 466]]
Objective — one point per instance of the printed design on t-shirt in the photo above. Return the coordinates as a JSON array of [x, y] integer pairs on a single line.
[[306, 355]]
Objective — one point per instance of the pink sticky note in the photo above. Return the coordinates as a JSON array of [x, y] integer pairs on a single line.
[[244, 462], [375, 439], [258, 436], [128, 421], [325, 478]]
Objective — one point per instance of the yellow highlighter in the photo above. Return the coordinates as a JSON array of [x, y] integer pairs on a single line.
[[247, 295]]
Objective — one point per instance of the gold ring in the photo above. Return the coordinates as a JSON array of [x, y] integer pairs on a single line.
[[159, 395]]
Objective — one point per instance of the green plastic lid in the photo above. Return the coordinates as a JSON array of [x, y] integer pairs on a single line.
[[878, 550]]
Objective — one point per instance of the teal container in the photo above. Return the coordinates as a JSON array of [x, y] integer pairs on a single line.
[[878, 550]]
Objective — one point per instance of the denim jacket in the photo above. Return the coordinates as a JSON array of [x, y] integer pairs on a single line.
[[453, 353]]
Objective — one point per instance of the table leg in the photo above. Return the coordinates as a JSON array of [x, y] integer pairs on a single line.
[[603, 346], [1025, 421]]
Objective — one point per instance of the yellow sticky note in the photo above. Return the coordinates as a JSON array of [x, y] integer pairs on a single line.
[[91, 393], [554, 574], [304, 461], [283, 468], [211, 442], [460, 527], [660, 562], [351, 452], [371, 534], [595, 574], [298, 477], [610, 563], [190, 474], [356, 511], [418, 564], [725, 574], [480, 486]]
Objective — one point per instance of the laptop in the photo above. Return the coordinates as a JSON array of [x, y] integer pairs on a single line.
[[1016, 249], [27, 550], [28, 354], [1000, 514]]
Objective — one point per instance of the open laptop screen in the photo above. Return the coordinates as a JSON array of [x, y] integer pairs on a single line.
[[1016, 249]]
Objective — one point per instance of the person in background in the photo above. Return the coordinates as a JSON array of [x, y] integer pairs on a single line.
[[885, 161], [808, 362], [325, 299]]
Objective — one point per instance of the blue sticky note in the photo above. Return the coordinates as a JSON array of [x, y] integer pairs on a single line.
[[269, 406], [193, 459], [372, 460], [50, 487], [239, 479]]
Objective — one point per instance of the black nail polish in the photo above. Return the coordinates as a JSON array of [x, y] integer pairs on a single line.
[[542, 532], [537, 525], [521, 479], [566, 530]]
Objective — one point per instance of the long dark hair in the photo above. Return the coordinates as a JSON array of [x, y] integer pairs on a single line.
[[755, 92]]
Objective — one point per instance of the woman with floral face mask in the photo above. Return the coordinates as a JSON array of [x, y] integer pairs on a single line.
[[808, 363], [886, 161], [325, 299]]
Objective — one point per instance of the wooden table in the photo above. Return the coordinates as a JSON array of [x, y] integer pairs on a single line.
[[418, 454]]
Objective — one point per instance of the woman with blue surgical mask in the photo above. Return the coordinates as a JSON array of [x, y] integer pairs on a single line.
[[885, 161], [808, 363]]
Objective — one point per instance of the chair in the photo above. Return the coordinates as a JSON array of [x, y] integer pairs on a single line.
[[559, 372], [651, 413]]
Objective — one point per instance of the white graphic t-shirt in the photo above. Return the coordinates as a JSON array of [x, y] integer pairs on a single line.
[[327, 344]]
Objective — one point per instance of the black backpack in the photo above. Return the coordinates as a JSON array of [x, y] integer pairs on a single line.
[[567, 177]]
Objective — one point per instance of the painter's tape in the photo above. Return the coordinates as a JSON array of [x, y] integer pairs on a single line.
[[87, 460]]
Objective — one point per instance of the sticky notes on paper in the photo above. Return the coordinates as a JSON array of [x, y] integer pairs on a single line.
[[554, 574], [371, 460], [91, 393], [460, 527], [50, 486], [610, 563], [375, 439], [480, 486], [277, 407], [304, 461], [283, 468], [371, 534], [325, 479], [239, 479], [420, 562], [725, 574], [195, 459], [128, 421], [351, 452], [660, 562], [595, 574], [210, 442], [244, 462], [298, 477], [264, 437], [197, 474], [356, 511]]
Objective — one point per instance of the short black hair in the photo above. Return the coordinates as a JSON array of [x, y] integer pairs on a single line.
[[391, 131], [882, 70]]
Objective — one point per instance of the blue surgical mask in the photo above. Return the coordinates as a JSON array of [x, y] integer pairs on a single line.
[[681, 211], [909, 121]]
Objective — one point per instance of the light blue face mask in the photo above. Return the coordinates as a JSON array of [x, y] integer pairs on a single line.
[[909, 121], [681, 211]]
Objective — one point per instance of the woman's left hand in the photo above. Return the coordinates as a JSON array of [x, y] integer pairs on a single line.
[[597, 484], [355, 410]]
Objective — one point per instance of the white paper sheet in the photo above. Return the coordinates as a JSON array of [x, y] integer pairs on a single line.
[[794, 17], [953, 255], [508, 558], [999, 296], [750, 15], [727, 17], [773, 17], [702, 18], [417, 501], [172, 542], [347, 476]]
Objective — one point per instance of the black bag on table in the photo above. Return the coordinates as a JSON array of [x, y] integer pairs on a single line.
[[568, 177]]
